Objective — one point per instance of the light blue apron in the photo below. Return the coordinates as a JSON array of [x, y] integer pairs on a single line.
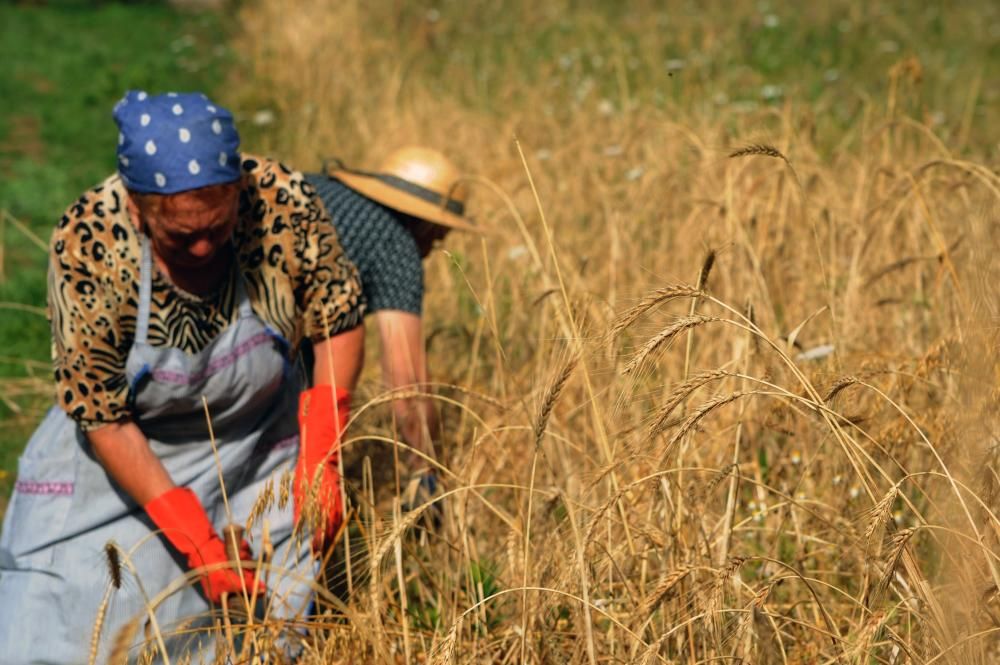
[[65, 508]]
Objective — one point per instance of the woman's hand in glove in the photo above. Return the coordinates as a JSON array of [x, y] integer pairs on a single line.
[[181, 518], [323, 414]]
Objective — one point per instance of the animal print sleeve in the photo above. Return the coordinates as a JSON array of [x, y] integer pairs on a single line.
[[327, 284], [87, 357]]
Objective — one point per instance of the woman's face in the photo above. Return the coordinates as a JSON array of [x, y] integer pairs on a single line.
[[188, 229]]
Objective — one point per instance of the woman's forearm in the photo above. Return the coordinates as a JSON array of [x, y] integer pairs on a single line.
[[418, 425], [124, 452], [404, 365]]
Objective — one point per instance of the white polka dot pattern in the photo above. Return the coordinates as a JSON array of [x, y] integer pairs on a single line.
[[175, 142]]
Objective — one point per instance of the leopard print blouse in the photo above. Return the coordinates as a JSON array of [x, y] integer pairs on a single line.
[[297, 276]]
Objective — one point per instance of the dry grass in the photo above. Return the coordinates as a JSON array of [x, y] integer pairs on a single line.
[[733, 498]]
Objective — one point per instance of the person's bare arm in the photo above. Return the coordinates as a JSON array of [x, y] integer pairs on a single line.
[[338, 360], [124, 452], [404, 364]]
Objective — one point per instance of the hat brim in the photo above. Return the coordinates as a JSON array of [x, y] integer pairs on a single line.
[[397, 199]]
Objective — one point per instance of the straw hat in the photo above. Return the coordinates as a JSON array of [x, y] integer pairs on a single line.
[[417, 181]]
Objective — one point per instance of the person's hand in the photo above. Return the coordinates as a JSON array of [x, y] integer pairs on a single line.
[[323, 414], [181, 518], [215, 583], [421, 489]]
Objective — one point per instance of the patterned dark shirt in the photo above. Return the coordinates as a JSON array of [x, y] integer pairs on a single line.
[[377, 241]]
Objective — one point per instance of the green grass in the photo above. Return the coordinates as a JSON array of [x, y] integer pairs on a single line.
[[65, 66]]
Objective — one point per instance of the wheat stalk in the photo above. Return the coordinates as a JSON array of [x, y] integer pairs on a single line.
[[555, 388], [899, 542], [123, 640], [699, 413], [662, 589], [839, 385], [679, 394], [444, 654], [762, 149], [651, 300], [881, 513], [664, 337]]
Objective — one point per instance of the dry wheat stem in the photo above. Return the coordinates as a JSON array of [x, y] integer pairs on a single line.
[[832, 423], [958, 495], [574, 334], [149, 607], [584, 581]]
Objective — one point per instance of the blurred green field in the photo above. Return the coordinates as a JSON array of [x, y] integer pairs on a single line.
[[935, 61], [66, 65]]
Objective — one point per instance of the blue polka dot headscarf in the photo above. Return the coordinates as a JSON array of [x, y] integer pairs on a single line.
[[175, 142]]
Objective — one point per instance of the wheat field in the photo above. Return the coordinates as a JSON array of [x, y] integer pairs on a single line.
[[720, 379]]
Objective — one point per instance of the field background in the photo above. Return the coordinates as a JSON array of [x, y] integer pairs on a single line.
[[732, 396]]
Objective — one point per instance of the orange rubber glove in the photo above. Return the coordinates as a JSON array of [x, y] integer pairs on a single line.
[[323, 414], [180, 516]]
